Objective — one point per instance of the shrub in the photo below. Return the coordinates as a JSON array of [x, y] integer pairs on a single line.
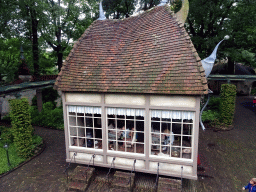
[[214, 103], [49, 95], [22, 129], [49, 116], [227, 104], [209, 115], [6, 134]]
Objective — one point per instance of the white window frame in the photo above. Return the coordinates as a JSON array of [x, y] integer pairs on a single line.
[[84, 110], [125, 112], [180, 148]]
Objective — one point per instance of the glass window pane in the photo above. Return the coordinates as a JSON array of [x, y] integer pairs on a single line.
[[112, 134], [177, 140], [155, 149], [80, 121], [112, 145], [79, 142], [121, 146], [88, 114], [98, 133], [120, 117], [72, 113], [175, 151], [80, 114], [90, 143], [98, 144], [72, 121], [165, 127], [186, 153], [187, 129], [120, 124], [89, 133], [166, 150], [155, 119], [97, 123], [88, 122], [187, 121], [73, 131], [155, 138], [186, 141], [176, 120], [139, 137], [130, 124], [81, 132], [176, 128], [139, 118], [139, 126], [139, 148], [155, 127]]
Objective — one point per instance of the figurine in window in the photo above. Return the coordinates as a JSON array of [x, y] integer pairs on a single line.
[[124, 133]]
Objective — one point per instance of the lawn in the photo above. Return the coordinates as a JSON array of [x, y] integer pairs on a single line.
[[14, 159]]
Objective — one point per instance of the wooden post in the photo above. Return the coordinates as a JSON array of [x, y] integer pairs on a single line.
[[39, 100]]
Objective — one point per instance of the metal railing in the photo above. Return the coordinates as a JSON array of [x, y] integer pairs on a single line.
[[181, 177], [133, 170], [92, 158], [66, 170], [157, 177], [111, 166]]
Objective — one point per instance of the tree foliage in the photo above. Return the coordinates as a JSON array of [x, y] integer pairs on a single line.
[[209, 21], [56, 23]]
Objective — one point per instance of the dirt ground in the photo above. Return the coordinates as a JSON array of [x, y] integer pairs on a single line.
[[228, 158]]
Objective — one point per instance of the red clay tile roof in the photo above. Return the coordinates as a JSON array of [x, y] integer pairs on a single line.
[[150, 53]]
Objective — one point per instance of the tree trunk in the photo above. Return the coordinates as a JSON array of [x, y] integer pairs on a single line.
[[231, 66], [35, 41], [60, 57]]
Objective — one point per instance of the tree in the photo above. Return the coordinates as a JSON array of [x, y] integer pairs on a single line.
[[60, 22], [30, 11], [10, 57], [117, 9]]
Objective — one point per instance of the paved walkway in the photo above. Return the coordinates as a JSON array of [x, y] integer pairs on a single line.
[[228, 157], [45, 172]]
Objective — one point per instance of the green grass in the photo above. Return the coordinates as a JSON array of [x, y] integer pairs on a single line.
[[14, 159]]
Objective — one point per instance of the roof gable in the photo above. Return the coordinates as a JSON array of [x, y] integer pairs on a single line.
[[149, 53]]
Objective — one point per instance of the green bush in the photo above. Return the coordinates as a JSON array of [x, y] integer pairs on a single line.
[[227, 104], [48, 95], [22, 129], [49, 116], [209, 115], [253, 91], [6, 134], [214, 103]]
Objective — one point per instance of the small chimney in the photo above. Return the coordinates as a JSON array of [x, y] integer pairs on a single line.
[[102, 15]]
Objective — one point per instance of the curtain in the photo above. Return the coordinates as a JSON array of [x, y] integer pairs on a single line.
[[172, 114], [82, 109], [128, 112]]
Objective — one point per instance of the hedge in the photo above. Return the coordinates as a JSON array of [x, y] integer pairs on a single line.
[[22, 129], [227, 104]]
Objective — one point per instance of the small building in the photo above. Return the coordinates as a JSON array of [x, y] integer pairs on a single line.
[[131, 90]]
